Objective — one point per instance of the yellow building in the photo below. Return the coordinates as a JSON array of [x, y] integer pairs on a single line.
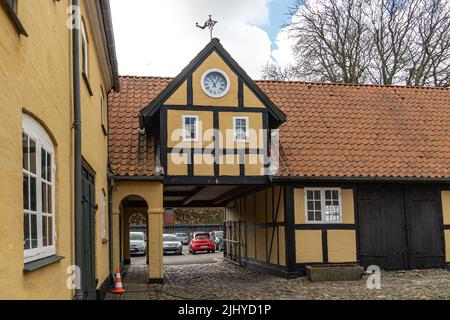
[[349, 165], [308, 173], [38, 93]]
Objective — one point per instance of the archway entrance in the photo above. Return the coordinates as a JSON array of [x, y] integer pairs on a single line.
[[134, 231]]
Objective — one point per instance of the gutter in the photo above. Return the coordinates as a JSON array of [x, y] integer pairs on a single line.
[[137, 178], [357, 179], [79, 260], [109, 33]]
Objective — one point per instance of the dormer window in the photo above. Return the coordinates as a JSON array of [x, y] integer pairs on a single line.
[[240, 129], [190, 128]]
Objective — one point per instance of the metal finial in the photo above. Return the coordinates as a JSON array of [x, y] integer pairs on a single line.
[[210, 23]]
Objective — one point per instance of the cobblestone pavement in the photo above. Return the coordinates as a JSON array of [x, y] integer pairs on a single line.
[[223, 280]]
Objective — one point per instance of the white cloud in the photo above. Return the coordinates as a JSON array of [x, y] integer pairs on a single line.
[[159, 38], [283, 54]]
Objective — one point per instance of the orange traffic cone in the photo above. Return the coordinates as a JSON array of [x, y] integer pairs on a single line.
[[119, 286]]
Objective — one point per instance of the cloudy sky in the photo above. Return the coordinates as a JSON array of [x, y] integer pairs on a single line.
[[159, 37]]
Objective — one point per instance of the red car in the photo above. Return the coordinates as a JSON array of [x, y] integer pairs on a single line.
[[201, 241]]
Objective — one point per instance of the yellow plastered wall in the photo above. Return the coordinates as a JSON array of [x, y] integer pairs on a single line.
[[447, 245], [95, 146], [179, 97], [308, 246], [203, 165], [341, 246], [177, 164], [214, 61], [251, 100], [38, 81], [229, 165], [446, 213], [226, 124], [270, 241], [175, 129]]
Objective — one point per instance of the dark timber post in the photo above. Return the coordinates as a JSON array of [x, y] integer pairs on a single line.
[[289, 228]]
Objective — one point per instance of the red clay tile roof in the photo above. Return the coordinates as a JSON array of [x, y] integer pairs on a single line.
[[333, 130]]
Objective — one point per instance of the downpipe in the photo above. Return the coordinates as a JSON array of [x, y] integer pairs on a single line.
[[79, 291]]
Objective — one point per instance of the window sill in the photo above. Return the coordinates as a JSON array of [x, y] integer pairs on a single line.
[[15, 19], [42, 263], [88, 85]]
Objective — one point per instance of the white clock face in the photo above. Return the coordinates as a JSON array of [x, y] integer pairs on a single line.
[[215, 83]]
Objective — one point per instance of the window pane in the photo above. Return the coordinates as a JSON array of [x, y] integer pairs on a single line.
[[34, 233], [33, 194], [327, 194], [335, 194], [26, 195], [50, 231], [25, 151], [33, 158], [317, 194], [309, 194], [44, 197], [26, 231], [311, 216], [49, 167], [318, 216], [43, 164], [50, 198], [310, 205], [317, 205], [44, 231]]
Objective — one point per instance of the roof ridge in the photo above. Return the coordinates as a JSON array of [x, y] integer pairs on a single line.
[[351, 84], [309, 83]]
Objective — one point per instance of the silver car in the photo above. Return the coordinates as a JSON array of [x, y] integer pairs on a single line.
[[171, 244], [137, 243], [183, 238]]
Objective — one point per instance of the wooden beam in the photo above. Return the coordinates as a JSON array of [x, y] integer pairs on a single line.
[[191, 198]]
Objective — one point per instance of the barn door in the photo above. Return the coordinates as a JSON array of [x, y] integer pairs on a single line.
[[382, 235], [400, 227], [424, 227]]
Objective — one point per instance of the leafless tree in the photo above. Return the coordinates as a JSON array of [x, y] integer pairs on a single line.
[[370, 41], [273, 71]]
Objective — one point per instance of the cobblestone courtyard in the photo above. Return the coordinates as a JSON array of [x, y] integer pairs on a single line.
[[223, 280]]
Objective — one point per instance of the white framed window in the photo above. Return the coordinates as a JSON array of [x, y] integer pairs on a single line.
[[38, 191], [323, 205], [190, 128], [103, 213], [84, 50], [240, 129]]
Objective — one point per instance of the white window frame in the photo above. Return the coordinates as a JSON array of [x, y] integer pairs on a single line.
[[197, 131], [85, 50], [103, 213], [104, 113], [35, 131], [322, 206], [247, 130]]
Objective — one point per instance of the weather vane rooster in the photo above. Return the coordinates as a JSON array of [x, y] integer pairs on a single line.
[[210, 23]]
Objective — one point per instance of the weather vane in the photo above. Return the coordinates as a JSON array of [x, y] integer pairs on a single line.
[[210, 23]]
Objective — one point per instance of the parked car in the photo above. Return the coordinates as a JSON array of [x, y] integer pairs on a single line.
[[218, 239], [201, 241], [171, 244], [183, 238], [137, 243]]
